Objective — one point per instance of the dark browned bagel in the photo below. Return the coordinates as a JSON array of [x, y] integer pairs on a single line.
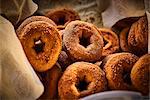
[[64, 60], [138, 36], [33, 19], [111, 41], [83, 41], [136, 40], [42, 44], [140, 74], [81, 79], [117, 68], [62, 16]]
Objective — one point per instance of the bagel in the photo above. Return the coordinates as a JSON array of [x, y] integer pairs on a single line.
[[62, 16], [81, 79], [140, 74], [111, 41], [136, 40], [117, 68], [138, 36], [83, 41], [42, 44]]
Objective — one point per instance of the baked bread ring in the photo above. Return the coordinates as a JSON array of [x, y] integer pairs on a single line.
[[62, 16], [111, 41], [81, 79], [140, 74], [42, 44], [137, 39], [138, 36], [33, 19], [83, 41], [117, 68]]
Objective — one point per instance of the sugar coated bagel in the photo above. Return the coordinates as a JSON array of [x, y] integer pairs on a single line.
[[140, 74], [83, 41], [117, 68], [42, 44], [81, 79]]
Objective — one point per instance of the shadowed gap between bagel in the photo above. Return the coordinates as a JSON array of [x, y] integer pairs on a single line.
[[61, 20]]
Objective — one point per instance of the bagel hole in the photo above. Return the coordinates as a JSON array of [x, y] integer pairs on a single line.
[[38, 45], [82, 85], [126, 78], [84, 40], [61, 20]]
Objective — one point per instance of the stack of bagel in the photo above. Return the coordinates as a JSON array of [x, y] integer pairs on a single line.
[[74, 59]]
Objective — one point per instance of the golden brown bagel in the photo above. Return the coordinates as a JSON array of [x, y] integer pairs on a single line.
[[83, 41], [42, 44], [140, 74], [81, 79], [117, 68]]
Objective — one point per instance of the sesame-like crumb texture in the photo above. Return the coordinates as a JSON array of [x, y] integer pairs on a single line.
[[135, 39], [42, 44], [116, 65], [77, 72], [77, 30]]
